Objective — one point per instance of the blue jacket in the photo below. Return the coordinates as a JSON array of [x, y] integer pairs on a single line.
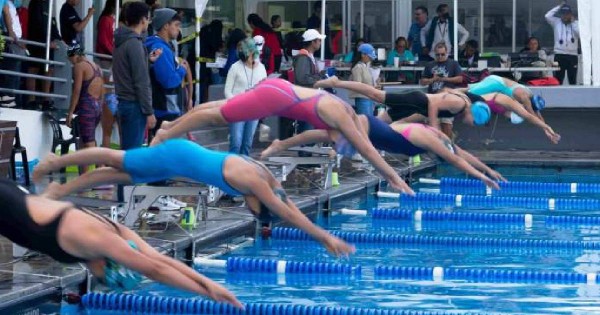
[[168, 73]]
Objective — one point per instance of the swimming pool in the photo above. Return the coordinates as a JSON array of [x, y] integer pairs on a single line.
[[481, 260]]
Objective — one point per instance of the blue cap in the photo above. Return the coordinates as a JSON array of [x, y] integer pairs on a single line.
[[368, 50], [481, 113], [538, 103], [119, 277]]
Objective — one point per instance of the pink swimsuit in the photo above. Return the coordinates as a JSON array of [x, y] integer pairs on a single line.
[[273, 97], [495, 107]]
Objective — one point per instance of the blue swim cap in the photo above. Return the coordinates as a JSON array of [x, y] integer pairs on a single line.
[[343, 147], [120, 278], [538, 102], [481, 113]]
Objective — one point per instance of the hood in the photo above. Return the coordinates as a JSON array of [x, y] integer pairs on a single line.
[[154, 40], [122, 34]]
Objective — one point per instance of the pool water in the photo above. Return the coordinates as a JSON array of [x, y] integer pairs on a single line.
[[366, 290]]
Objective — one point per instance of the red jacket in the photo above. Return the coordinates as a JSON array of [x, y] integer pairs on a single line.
[[271, 40], [105, 40]]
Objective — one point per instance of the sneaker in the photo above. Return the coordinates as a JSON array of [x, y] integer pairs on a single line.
[[176, 202], [163, 204], [11, 104], [7, 98]]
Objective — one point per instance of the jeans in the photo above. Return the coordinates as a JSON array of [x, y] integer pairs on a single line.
[[241, 136], [364, 106], [133, 124]]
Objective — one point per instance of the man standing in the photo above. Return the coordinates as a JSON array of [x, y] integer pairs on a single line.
[[131, 77], [441, 29], [439, 74], [71, 24], [566, 41], [414, 34]]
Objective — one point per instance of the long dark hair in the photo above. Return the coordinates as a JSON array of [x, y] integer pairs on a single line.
[[356, 55], [236, 36], [257, 21], [109, 8]]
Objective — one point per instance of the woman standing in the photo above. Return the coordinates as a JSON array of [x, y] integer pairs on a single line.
[[260, 27], [242, 76], [360, 73]]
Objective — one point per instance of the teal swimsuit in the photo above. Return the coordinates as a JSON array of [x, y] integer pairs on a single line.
[[178, 158], [494, 84]]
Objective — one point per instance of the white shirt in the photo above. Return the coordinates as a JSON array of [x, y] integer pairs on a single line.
[[442, 34], [16, 24], [241, 78], [564, 32]]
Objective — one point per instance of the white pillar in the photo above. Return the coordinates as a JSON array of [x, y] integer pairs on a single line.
[[323, 17], [455, 43], [585, 20], [404, 17], [481, 25], [595, 25]]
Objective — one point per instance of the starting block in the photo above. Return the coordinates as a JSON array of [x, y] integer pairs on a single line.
[[146, 196], [289, 163]]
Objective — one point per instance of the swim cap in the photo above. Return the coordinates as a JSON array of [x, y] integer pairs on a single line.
[[481, 113], [119, 277], [343, 147], [74, 49], [538, 102], [515, 119]]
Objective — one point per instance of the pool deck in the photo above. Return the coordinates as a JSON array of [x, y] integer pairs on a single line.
[[40, 277]]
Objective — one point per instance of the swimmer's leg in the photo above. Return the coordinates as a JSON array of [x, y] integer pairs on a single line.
[[95, 178], [309, 136], [89, 156]]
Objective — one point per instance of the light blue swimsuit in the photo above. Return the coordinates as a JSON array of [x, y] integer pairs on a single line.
[[178, 158], [494, 84]]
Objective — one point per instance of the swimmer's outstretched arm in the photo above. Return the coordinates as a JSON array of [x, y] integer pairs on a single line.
[[309, 136], [358, 87], [113, 246], [478, 164], [518, 109]]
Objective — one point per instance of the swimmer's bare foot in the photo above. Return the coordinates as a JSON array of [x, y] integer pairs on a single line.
[[52, 191], [327, 83], [159, 137], [274, 148], [45, 167], [166, 125]]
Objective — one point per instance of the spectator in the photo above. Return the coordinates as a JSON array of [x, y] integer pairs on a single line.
[[469, 56], [414, 34], [566, 41], [131, 76], [360, 73], [166, 74], [314, 22], [11, 25], [264, 52], [86, 97], [533, 46], [349, 57], [293, 40], [400, 51], [259, 27], [211, 36], [337, 35], [235, 37], [105, 45], [439, 74], [71, 24], [244, 75], [38, 22], [276, 24], [441, 29], [153, 5], [305, 67]]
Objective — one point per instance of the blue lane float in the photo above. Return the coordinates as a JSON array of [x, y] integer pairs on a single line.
[[430, 200], [483, 275], [475, 186], [293, 234], [436, 215], [171, 305], [249, 264]]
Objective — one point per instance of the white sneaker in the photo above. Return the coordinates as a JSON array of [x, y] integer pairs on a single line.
[[176, 202], [7, 98], [163, 204], [11, 104]]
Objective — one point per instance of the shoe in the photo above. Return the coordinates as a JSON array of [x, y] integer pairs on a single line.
[[357, 157], [11, 104], [7, 98], [176, 202], [163, 204]]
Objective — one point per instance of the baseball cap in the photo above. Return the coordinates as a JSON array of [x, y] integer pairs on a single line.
[[565, 9], [368, 50], [259, 41], [312, 34]]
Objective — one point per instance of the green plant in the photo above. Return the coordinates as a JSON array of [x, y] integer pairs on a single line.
[[2, 43]]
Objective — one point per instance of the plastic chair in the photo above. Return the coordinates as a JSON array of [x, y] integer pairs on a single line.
[[58, 140]]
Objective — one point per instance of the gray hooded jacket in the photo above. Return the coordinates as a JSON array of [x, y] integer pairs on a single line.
[[130, 69]]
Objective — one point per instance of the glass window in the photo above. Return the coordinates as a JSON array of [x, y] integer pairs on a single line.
[[530, 16]]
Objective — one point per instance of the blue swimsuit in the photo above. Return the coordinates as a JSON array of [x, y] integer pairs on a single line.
[[178, 158], [494, 84], [385, 138]]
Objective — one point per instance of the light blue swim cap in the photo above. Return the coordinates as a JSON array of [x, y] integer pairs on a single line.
[[516, 119], [538, 102], [481, 113], [120, 278]]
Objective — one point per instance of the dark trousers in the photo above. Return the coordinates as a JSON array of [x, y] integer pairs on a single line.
[[567, 63], [278, 63]]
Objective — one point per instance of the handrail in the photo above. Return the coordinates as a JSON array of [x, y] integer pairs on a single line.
[[25, 41], [98, 55], [24, 92], [32, 59], [33, 76]]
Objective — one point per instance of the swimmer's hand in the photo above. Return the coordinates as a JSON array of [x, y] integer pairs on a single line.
[[490, 183], [327, 83], [496, 176], [553, 136], [401, 186], [338, 247], [219, 293]]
